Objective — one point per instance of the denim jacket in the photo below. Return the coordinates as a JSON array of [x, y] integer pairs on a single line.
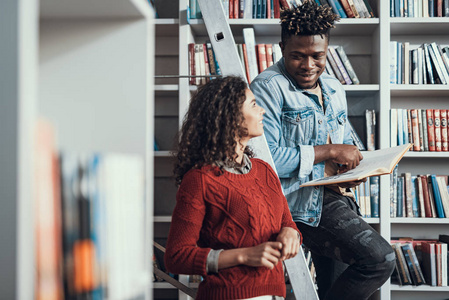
[[294, 123]]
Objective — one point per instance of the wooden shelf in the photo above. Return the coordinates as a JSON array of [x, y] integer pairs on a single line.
[[419, 26], [430, 221], [87, 9], [427, 154], [421, 288], [271, 27], [419, 90]]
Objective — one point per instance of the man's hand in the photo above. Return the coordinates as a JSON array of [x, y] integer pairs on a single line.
[[290, 242], [347, 155]]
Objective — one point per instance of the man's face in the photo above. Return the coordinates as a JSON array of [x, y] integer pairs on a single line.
[[305, 58]]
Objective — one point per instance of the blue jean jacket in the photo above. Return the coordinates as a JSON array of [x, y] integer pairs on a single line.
[[294, 123]]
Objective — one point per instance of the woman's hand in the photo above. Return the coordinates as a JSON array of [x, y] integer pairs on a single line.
[[290, 242], [267, 255]]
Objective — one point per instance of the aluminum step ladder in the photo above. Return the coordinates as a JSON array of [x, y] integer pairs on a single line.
[[228, 59]]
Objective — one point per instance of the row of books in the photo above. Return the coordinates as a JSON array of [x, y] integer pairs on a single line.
[[419, 8], [419, 196], [425, 128], [427, 64], [257, 58], [367, 197], [89, 224], [270, 9], [363, 130], [421, 261]]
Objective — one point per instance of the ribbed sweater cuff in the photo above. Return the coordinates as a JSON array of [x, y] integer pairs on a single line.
[[199, 264]]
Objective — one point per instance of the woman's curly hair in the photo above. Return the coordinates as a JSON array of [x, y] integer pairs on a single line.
[[307, 19], [211, 125]]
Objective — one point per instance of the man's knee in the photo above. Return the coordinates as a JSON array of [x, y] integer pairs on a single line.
[[382, 262]]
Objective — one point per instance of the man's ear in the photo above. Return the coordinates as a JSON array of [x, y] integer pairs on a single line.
[[282, 47]]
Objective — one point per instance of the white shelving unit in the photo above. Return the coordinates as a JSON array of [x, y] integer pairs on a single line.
[[366, 42], [88, 67]]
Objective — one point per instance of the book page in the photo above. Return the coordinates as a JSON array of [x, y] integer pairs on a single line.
[[374, 163]]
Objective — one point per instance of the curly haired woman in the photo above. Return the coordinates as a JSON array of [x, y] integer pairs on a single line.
[[231, 223]]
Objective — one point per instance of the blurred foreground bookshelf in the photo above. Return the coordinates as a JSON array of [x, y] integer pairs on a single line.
[[87, 68]]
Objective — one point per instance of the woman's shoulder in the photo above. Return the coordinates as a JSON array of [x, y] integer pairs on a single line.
[[262, 165]]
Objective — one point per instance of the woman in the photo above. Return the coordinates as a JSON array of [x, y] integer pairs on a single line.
[[231, 223]]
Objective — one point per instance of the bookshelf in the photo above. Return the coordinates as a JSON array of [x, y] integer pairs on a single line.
[[366, 42], [66, 61]]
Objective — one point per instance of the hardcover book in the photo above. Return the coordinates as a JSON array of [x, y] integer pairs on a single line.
[[378, 162]]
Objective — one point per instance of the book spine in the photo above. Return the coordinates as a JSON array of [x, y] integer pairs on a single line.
[[408, 195], [413, 264], [344, 58], [424, 125], [340, 65], [415, 201], [370, 129], [337, 8], [335, 68], [394, 129], [210, 54], [369, 8], [249, 38], [393, 62], [347, 9], [206, 61], [415, 129], [426, 199], [443, 125], [437, 126], [408, 119], [401, 265], [276, 9], [245, 59], [430, 129], [400, 196], [353, 8], [269, 52], [436, 64], [261, 57], [192, 69], [419, 186], [437, 197], [374, 196], [420, 127]]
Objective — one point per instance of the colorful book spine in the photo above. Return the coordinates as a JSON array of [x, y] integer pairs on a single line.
[[437, 126], [430, 129], [443, 125]]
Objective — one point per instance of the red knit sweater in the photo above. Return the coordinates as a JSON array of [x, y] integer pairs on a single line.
[[226, 212]]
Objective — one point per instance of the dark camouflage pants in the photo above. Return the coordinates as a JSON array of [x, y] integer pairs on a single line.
[[351, 259]]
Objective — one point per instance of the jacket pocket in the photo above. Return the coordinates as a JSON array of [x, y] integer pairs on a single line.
[[297, 127], [338, 126]]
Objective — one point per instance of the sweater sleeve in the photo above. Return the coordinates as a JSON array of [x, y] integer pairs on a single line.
[[182, 255]]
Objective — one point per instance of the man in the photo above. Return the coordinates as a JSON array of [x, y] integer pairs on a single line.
[[307, 131]]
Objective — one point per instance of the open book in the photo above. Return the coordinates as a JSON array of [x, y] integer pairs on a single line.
[[374, 163]]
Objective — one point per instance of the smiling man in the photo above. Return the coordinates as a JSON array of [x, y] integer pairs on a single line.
[[308, 134]]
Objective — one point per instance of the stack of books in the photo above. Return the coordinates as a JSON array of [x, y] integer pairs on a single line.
[[421, 261], [270, 9], [255, 58], [419, 196], [419, 9], [426, 64], [425, 128]]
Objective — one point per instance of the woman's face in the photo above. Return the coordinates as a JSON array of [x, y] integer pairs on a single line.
[[252, 116]]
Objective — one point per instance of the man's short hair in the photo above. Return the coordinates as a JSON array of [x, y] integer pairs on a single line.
[[307, 19]]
